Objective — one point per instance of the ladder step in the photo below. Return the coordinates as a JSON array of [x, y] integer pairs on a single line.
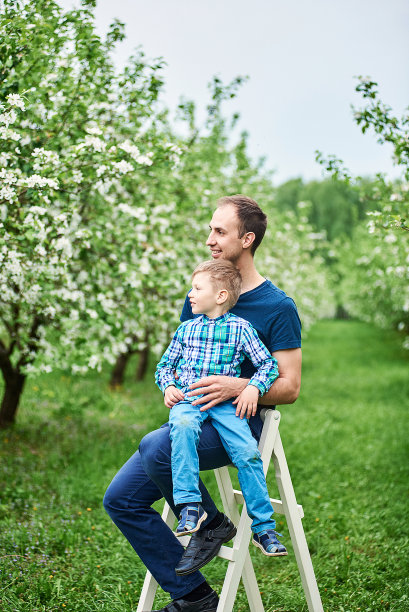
[[224, 553], [276, 503]]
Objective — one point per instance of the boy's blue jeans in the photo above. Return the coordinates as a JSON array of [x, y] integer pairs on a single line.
[[185, 421]]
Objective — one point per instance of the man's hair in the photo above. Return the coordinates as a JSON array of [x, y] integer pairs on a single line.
[[251, 217], [223, 275]]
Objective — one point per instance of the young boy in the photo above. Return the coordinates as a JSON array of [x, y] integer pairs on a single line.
[[216, 343]]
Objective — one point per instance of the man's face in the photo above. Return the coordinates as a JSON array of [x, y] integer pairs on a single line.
[[203, 295], [223, 240]]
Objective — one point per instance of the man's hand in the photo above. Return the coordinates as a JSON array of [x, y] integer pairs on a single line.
[[172, 396], [216, 389], [247, 402]]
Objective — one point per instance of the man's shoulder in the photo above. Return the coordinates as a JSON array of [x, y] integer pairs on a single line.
[[266, 298], [273, 294]]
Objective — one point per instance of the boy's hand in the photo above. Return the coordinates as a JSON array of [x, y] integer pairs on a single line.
[[247, 402], [172, 396]]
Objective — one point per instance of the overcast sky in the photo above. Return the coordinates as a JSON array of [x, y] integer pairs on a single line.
[[301, 58]]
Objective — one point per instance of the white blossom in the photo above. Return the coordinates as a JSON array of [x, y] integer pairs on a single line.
[[93, 361], [63, 244], [15, 100], [41, 181], [95, 143], [7, 134], [128, 147], [94, 130], [8, 118], [4, 158], [7, 177], [123, 167], [7, 193], [145, 159]]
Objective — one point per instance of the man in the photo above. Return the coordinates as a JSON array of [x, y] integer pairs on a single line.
[[237, 228]]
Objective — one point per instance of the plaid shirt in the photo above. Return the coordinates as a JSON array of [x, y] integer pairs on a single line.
[[202, 347]]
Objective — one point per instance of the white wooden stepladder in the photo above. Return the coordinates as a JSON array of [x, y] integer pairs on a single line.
[[238, 557]]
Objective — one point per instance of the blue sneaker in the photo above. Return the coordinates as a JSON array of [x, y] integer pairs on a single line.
[[268, 543], [191, 517]]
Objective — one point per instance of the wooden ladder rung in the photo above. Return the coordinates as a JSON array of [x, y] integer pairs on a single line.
[[276, 503]]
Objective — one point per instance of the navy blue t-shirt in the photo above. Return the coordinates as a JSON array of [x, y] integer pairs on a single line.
[[274, 316]]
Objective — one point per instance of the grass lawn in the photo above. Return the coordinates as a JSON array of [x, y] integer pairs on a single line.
[[346, 441]]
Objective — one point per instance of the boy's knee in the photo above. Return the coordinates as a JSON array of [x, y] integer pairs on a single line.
[[182, 422], [246, 455]]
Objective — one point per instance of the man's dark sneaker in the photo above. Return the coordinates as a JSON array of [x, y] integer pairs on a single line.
[[190, 519], [207, 604], [269, 544], [204, 546]]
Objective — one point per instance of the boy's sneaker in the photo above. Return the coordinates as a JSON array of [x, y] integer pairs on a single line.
[[268, 543], [191, 517]]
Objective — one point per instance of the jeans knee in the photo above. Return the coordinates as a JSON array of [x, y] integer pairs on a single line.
[[111, 500], [246, 456], [155, 451]]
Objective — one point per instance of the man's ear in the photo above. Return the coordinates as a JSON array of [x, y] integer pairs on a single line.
[[222, 296], [248, 239]]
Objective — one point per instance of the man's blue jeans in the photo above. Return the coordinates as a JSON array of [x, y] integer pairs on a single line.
[[145, 478], [185, 421]]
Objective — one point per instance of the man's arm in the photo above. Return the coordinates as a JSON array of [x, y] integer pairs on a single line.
[[285, 389]]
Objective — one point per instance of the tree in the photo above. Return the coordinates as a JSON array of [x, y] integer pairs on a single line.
[[373, 267], [57, 162]]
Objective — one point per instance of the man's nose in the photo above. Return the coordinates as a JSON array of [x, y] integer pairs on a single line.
[[210, 239]]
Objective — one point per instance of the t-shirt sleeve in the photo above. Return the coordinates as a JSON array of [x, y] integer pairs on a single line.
[[285, 327], [186, 310]]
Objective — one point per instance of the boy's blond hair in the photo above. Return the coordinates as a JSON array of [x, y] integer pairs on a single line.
[[223, 275]]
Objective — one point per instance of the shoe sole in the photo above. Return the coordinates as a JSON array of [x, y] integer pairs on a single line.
[[179, 534], [200, 565], [276, 554]]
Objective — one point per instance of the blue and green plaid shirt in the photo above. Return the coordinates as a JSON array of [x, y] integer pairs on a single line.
[[203, 347]]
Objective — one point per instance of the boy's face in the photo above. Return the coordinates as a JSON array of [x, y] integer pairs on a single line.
[[223, 240], [203, 295]]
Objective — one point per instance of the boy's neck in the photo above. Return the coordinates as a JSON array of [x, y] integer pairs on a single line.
[[218, 311]]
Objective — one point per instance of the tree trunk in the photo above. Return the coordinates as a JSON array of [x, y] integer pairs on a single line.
[[142, 363], [341, 313], [118, 373], [14, 388]]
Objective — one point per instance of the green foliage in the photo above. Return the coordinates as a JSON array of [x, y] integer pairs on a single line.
[[346, 453], [334, 206], [372, 271]]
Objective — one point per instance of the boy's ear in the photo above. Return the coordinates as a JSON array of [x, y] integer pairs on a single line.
[[222, 296]]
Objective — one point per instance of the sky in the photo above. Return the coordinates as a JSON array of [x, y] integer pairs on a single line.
[[301, 59]]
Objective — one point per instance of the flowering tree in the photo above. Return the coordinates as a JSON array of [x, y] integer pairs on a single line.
[[374, 266], [65, 141]]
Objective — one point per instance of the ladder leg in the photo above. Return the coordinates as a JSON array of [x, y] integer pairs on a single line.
[[235, 567], [302, 554], [251, 586], [230, 507], [150, 585]]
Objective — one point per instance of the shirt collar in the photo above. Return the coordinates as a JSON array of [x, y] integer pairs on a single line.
[[217, 320]]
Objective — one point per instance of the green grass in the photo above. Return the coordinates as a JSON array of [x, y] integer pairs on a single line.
[[346, 441]]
